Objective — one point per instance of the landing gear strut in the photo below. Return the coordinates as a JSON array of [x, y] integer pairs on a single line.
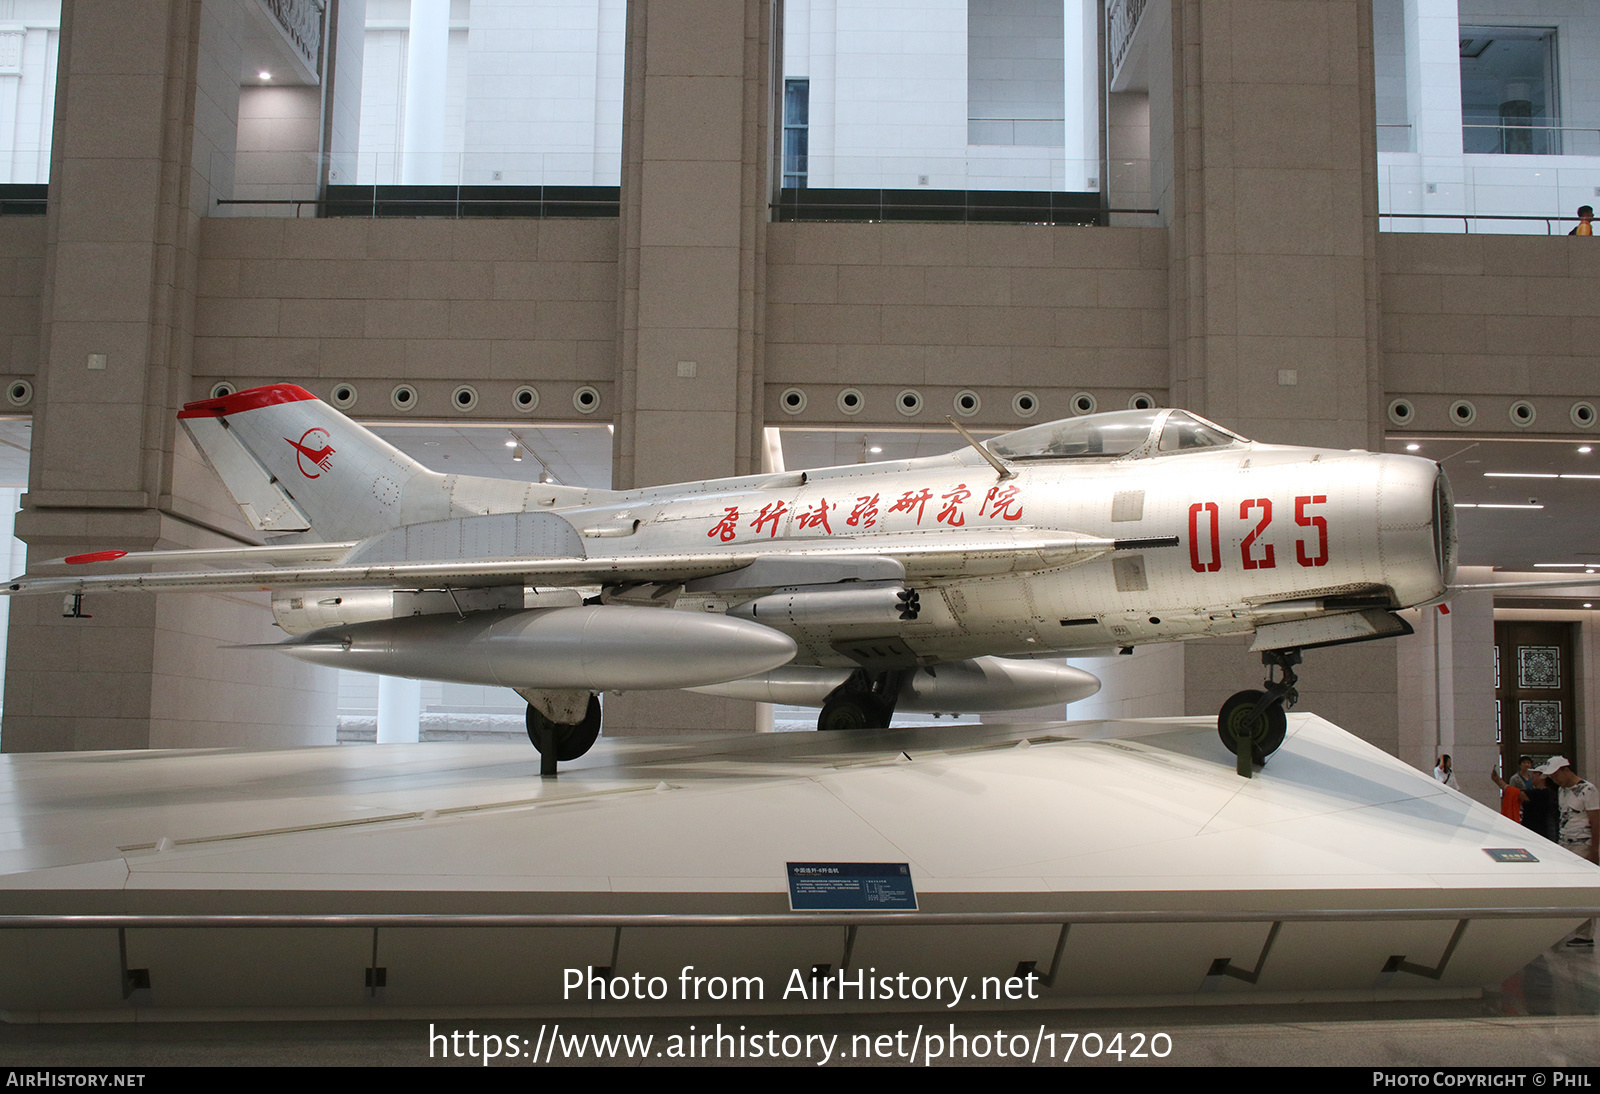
[[864, 701], [560, 740], [1252, 723]]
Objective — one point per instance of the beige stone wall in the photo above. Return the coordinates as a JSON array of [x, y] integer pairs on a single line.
[[22, 243], [942, 307], [1492, 319], [494, 303], [280, 131]]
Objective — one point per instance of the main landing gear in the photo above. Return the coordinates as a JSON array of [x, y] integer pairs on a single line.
[[1252, 723], [561, 740], [864, 701]]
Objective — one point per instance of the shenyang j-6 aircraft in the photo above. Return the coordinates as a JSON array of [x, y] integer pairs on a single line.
[[930, 584]]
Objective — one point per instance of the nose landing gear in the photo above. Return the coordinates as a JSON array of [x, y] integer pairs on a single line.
[[1252, 724]]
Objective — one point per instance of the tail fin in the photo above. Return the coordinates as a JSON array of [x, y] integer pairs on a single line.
[[293, 464]]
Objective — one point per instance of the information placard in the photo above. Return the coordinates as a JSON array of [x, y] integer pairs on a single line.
[[851, 887]]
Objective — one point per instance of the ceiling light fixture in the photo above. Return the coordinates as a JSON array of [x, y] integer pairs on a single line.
[[876, 449], [264, 74], [1585, 449], [511, 444], [1494, 505], [1413, 447], [1520, 475], [516, 453]]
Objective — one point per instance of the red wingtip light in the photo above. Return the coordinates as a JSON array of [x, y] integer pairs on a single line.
[[94, 556]]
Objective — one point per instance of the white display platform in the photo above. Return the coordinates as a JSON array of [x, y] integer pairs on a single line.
[[1060, 817]]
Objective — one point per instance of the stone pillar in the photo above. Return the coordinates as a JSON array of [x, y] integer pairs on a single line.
[[695, 189], [1274, 285], [1447, 689], [146, 116], [1274, 227]]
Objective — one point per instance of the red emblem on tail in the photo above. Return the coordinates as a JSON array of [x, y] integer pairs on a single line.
[[318, 456]]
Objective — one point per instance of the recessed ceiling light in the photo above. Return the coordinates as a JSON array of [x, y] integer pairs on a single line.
[[265, 75], [1588, 605], [1413, 447], [875, 449], [511, 444], [1585, 449], [430, 444]]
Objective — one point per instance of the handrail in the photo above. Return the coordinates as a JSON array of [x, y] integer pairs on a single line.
[[843, 210], [375, 202], [1466, 217], [135, 980], [56, 921]]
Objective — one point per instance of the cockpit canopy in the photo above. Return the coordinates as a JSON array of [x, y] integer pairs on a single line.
[[1131, 434]]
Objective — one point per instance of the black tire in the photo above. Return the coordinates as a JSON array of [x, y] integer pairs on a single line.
[[851, 712], [1264, 733], [570, 740]]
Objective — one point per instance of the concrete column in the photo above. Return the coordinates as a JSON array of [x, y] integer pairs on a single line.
[[1433, 105], [427, 61], [695, 189], [399, 710], [1433, 76], [146, 117]]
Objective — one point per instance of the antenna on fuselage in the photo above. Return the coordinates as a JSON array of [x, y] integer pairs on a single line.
[[1001, 469]]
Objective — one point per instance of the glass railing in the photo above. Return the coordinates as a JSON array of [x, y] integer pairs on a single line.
[[1488, 194], [1486, 136]]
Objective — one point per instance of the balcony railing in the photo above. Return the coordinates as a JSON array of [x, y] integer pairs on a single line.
[[1122, 19]]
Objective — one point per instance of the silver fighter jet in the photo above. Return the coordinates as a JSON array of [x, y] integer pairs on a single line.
[[932, 584]]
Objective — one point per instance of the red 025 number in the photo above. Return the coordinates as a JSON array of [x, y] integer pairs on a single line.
[[1308, 520], [1213, 560], [1246, 552], [1205, 535]]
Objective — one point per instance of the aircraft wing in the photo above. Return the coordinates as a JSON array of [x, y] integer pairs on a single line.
[[924, 557], [291, 554]]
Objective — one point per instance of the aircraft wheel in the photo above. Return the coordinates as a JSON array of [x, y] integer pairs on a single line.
[[854, 710], [561, 740], [1237, 725]]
